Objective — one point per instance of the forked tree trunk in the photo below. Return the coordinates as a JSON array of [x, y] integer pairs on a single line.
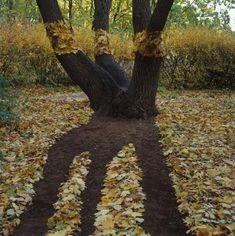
[[143, 88], [104, 81]]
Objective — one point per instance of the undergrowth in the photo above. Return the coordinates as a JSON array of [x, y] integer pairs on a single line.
[[8, 104], [196, 57]]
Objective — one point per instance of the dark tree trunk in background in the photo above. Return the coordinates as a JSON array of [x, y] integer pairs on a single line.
[[141, 15], [117, 10], [104, 81], [11, 16], [80, 3], [70, 14]]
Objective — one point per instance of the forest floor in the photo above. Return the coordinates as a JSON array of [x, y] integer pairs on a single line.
[[123, 158]]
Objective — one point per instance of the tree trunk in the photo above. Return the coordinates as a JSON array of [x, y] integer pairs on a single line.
[[143, 88], [117, 10], [104, 58], [97, 83], [11, 16], [70, 14], [104, 81]]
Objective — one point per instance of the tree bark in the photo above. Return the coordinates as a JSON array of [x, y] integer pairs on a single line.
[[117, 10], [105, 82], [144, 84], [97, 83], [106, 60], [160, 14], [80, 4], [141, 15], [70, 14]]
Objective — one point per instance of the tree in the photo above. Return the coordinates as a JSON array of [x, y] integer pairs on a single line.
[[104, 81], [210, 13], [111, 93]]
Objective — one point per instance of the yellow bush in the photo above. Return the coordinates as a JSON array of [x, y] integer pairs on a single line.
[[197, 57], [26, 55]]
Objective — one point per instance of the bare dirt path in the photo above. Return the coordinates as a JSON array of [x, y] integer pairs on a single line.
[[103, 138]]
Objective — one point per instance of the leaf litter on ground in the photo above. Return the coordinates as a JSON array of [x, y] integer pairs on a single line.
[[120, 211], [197, 134], [26, 144], [69, 204]]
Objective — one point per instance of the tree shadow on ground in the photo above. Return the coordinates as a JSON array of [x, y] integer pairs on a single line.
[[103, 138]]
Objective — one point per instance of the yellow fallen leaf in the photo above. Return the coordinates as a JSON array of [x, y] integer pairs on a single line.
[[108, 223], [64, 232], [204, 230]]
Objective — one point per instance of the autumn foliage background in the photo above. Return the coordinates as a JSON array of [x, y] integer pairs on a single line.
[[197, 56]]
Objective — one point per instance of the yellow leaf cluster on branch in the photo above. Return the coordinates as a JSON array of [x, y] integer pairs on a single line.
[[150, 44], [62, 40], [102, 42]]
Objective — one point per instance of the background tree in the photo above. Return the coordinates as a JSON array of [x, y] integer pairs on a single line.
[[210, 13]]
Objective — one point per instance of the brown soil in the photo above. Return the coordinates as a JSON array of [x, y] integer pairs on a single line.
[[103, 138]]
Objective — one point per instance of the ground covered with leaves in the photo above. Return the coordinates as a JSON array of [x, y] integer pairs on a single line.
[[68, 207], [197, 130], [43, 119], [120, 211]]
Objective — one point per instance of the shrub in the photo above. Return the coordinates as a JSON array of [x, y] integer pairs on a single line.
[[197, 57], [8, 104], [27, 58]]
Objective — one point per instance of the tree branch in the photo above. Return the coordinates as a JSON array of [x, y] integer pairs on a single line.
[[97, 83], [141, 15], [160, 14], [104, 58], [143, 87]]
